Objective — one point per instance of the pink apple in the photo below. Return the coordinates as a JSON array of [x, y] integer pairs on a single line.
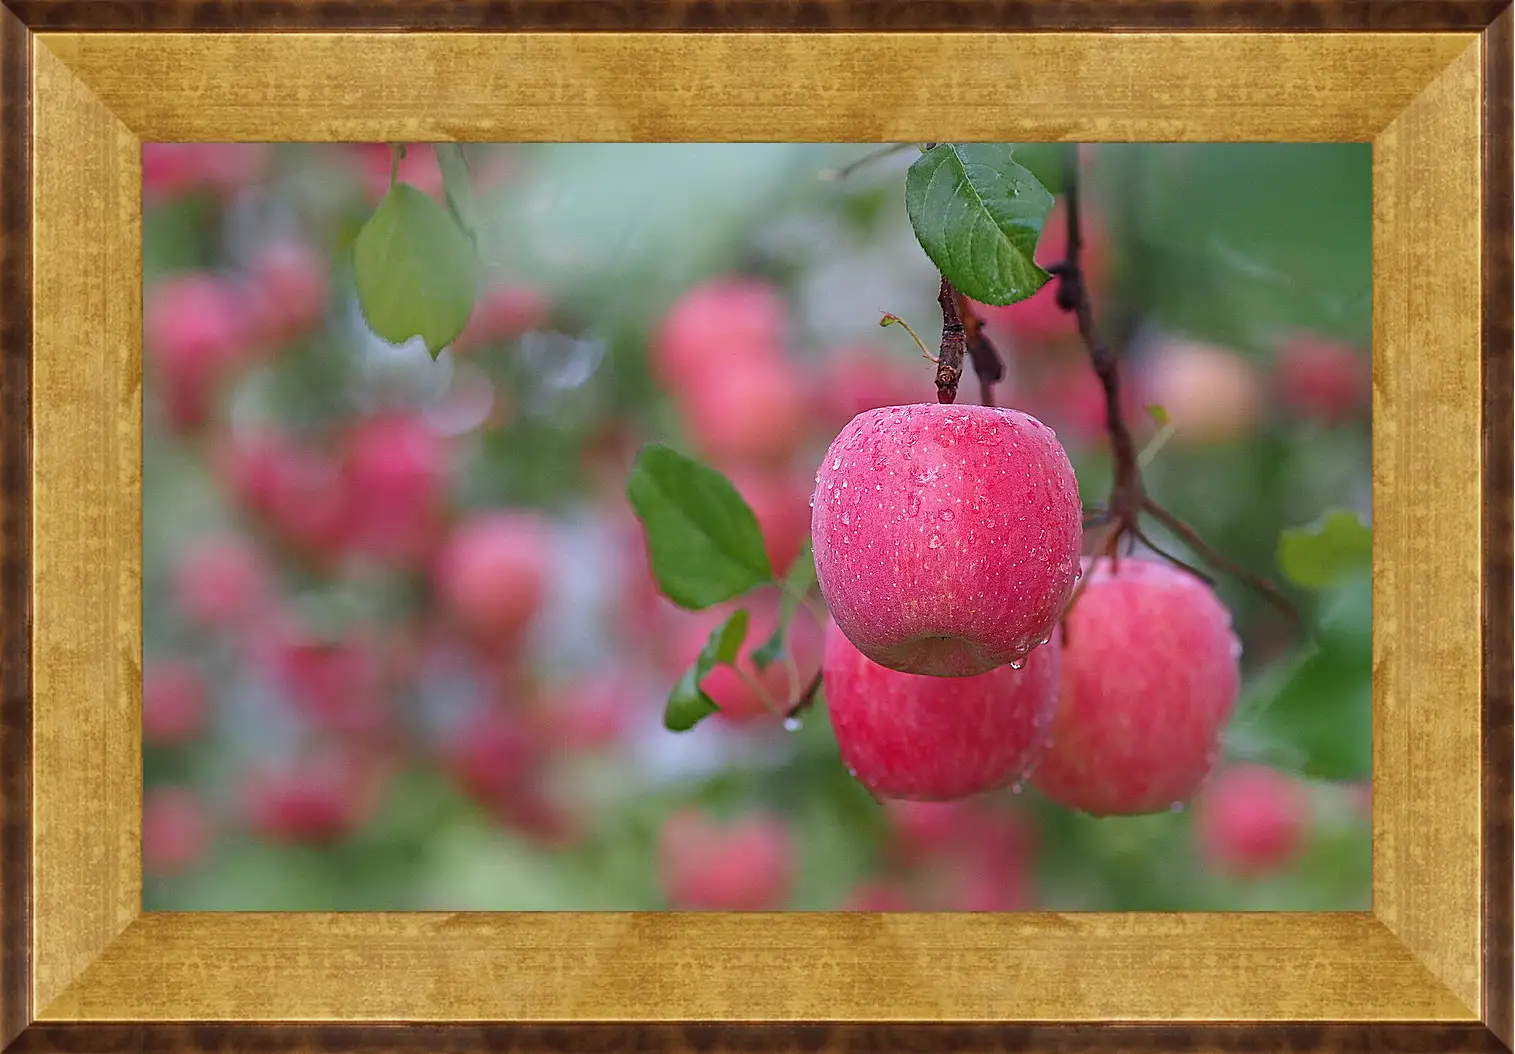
[[1324, 380], [174, 697], [419, 168], [744, 865], [1149, 680], [175, 831], [715, 324], [219, 582], [492, 574], [858, 379], [1211, 394], [1251, 821], [493, 753], [902, 735], [290, 282], [750, 411], [590, 712], [338, 684], [313, 800], [946, 537], [924, 829], [196, 330], [170, 170], [395, 475]]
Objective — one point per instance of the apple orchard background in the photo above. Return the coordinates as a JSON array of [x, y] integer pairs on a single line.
[[325, 727]]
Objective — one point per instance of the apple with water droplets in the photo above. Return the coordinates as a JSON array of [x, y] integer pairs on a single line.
[[1149, 679], [919, 738], [946, 537]]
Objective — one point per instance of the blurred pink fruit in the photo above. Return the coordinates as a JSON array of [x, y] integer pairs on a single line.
[[1324, 380], [173, 169], [196, 330], [747, 412], [745, 865], [395, 473], [925, 829], [419, 168], [219, 582], [1211, 394], [175, 832], [715, 325], [592, 711], [174, 700], [492, 575], [855, 380], [290, 283], [338, 684], [314, 800], [1251, 821]]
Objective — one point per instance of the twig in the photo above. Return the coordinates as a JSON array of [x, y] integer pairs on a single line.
[[834, 174], [1192, 539], [986, 359], [949, 360], [895, 320]]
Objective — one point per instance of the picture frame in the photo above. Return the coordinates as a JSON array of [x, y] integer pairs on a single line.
[[82, 85]]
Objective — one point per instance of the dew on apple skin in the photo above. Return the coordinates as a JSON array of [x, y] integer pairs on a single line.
[[946, 516], [793, 724], [836, 463], [1177, 806], [913, 505], [1016, 788], [935, 542], [1018, 664]]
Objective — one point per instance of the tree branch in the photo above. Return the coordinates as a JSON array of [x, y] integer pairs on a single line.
[[949, 360]]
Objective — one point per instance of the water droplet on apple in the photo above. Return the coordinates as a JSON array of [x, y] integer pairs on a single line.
[[1177, 806], [946, 516], [793, 724], [913, 505], [935, 542], [1016, 788], [1018, 664]]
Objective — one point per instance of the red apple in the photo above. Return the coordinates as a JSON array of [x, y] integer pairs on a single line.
[[1324, 380], [781, 503], [1149, 680], [492, 575], [946, 538], [749, 411], [290, 283], [196, 330], [502, 313], [903, 735], [714, 325], [1251, 821], [395, 476], [1211, 394], [219, 582], [745, 865], [314, 800]]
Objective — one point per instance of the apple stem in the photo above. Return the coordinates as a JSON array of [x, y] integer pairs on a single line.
[[949, 360], [1128, 497]]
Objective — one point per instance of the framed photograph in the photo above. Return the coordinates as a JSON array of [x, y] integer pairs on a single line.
[[689, 526]]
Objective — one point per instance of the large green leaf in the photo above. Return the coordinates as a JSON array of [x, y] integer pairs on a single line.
[[979, 214], [415, 270], [1320, 556], [457, 184], [703, 539], [688, 705]]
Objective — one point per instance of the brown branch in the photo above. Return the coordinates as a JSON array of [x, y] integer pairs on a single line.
[[949, 360], [1191, 538]]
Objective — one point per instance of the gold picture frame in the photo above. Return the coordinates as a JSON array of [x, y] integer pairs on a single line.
[[82, 967]]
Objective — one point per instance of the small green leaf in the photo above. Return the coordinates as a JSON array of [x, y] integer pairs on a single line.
[[978, 215], [1319, 556], [1158, 414], [688, 705], [1314, 712], [457, 184], [798, 582], [703, 540], [415, 270]]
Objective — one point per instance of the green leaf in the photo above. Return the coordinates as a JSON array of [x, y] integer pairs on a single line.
[[978, 215], [688, 705], [1158, 414], [1314, 712], [1045, 161], [703, 540], [457, 184], [798, 582], [415, 270], [1320, 556]]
